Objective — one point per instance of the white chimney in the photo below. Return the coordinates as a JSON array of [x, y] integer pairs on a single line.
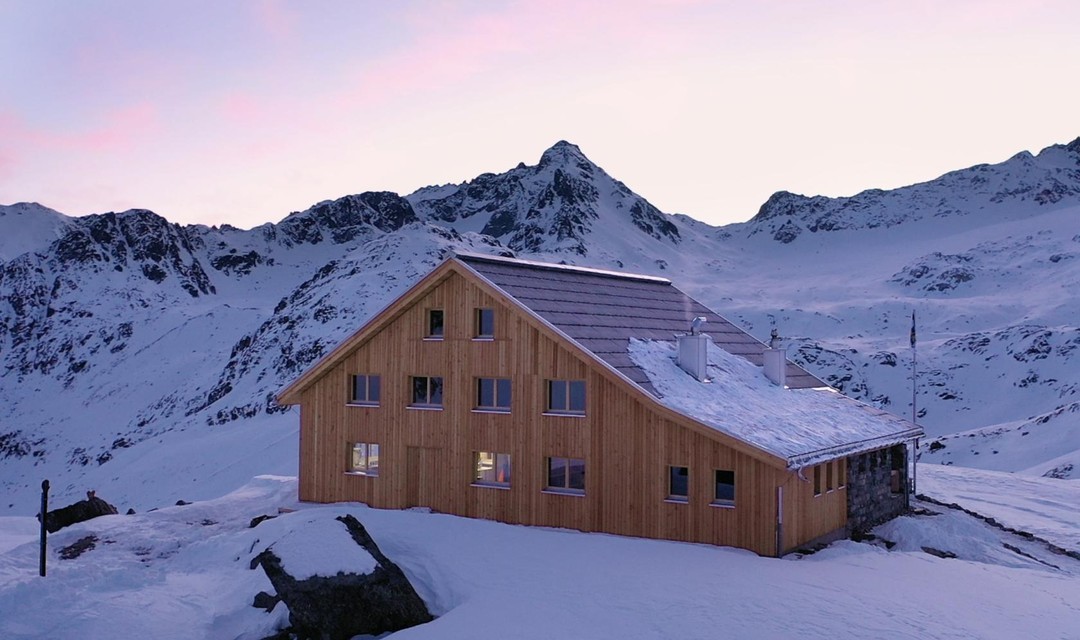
[[694, 355], [776, 365]]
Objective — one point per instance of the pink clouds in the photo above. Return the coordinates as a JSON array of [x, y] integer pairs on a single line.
[[119, 130]]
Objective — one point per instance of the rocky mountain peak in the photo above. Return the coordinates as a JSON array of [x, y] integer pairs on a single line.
[[563, 153]]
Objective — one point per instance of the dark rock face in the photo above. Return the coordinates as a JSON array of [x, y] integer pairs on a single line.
[[347, 605], [81, 511], [871, 480], [347, 218]]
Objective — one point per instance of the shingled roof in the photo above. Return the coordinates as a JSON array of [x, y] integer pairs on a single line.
[[603, 310]]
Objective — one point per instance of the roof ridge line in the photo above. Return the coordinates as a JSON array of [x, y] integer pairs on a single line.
[[483, 257]]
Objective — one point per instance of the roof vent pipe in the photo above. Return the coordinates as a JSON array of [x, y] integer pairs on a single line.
[[694, 351], [775, 360]]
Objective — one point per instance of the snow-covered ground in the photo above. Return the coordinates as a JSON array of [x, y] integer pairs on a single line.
[[183, 572]]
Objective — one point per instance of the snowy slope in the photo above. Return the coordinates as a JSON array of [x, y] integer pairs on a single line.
[[189, 567], [130, 345]]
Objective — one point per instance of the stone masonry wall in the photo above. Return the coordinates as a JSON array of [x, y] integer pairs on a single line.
[[871, 487]]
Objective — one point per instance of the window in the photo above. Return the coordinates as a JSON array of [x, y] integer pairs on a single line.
[[365, 390], [829, 486], [364, 459], [817, 480], [566, 475], [485, 323], [493, 394], [841, 473], [896, 473], [679, 484], [566, 396], [427, 391], [492, 469], [435, 324], [724, 494]]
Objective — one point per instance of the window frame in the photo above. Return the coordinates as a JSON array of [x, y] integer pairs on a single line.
[[427, 404], [717, 501], [566, 488], [367, 402], [817, 480], [830, 477], [433, 332], [478, 324], [367, 469], [496, 395], [567, 396], [496, 460], [841, 473], [683, 498]]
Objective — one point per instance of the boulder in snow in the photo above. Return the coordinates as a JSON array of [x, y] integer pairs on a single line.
[[373, 598]]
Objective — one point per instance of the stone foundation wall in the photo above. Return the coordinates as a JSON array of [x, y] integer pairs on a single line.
[[874, 493]]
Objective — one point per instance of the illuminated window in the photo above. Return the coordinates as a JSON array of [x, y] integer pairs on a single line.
[[364, 459], [492, 469]]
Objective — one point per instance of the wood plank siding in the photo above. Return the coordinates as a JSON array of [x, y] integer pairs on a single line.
[[628, 440]]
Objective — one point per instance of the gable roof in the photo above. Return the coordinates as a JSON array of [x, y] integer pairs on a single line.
[[600, 314], [603, 310]]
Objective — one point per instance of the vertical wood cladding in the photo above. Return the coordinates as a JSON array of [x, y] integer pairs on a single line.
[[427, 455]]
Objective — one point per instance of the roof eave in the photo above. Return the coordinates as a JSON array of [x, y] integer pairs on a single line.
[[290, 395], [818, 456]]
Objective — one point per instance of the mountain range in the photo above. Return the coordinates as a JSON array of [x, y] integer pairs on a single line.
[[131, 346]]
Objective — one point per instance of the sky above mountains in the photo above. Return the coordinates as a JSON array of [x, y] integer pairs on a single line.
[[240, 112]]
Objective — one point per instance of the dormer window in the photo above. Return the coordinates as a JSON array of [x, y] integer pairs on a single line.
[[485, 324], [435, 324]]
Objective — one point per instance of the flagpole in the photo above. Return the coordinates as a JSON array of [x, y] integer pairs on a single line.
[[914, 353], [914, 410]]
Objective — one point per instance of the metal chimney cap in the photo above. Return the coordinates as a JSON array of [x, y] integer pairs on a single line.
[[695, 326]]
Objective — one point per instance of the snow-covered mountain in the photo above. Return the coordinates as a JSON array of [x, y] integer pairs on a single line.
[[130, 346]]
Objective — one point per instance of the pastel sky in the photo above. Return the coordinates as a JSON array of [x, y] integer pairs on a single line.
[[240, 112]]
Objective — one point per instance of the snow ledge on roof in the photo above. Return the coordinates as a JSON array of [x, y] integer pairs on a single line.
[[803, 426]]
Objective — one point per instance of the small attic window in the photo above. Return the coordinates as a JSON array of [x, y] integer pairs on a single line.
[[485, 324], [435, 324]]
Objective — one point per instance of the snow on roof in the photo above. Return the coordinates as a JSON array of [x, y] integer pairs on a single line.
[[804, 426]]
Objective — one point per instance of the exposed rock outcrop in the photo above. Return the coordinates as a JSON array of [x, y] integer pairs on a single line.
[[348, 604], [80, 511]]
